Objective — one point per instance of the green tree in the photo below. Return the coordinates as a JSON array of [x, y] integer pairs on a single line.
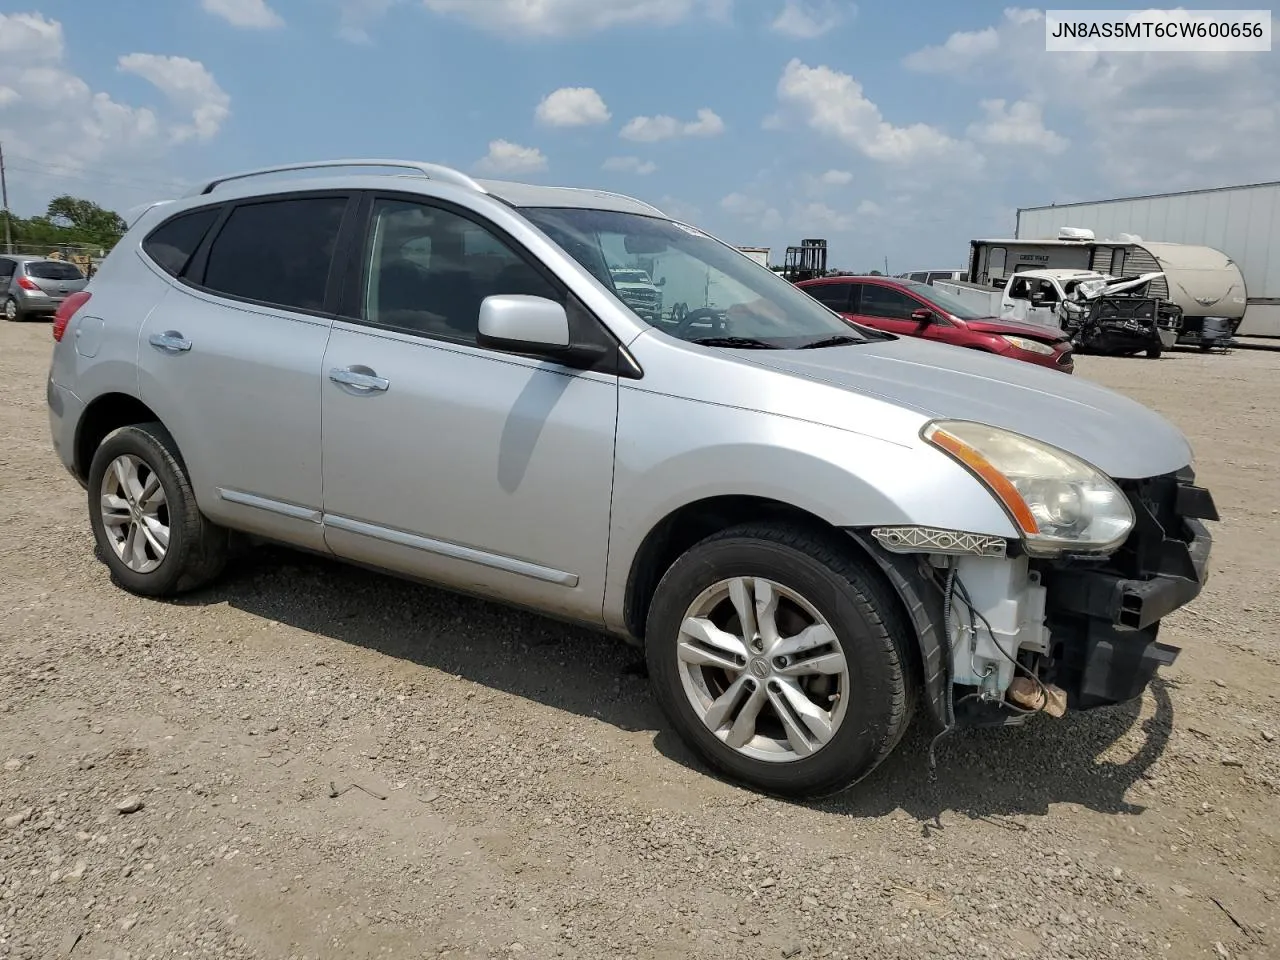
[[70, 221], [86, 219]]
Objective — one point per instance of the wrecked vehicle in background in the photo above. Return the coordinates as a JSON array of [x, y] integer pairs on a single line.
[[1098, 312], [1120, 317]]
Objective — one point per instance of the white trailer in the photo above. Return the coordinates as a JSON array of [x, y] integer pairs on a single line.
[[1205, 283], [1243, 222], [759, 254]]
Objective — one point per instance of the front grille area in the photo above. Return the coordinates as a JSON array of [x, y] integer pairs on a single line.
[[1104, 613]]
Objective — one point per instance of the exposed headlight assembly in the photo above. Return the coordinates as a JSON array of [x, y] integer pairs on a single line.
[[1029, 345], [1058, 502]]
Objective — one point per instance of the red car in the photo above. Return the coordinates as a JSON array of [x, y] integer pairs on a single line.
[[915, 309]]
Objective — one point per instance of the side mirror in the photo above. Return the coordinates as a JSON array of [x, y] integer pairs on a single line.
[[922, 315], [523, 324], [662, 282]]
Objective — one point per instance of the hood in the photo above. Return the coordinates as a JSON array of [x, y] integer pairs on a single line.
[[1109, 286], [1119, 436], [1015, 329]]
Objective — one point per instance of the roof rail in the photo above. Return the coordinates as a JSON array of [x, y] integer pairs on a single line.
[[432, 171], [623, 196]]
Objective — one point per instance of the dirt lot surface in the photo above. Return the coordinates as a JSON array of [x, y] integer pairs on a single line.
[[505, 787]]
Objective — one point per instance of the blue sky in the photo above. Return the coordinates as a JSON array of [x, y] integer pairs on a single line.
[[893, 130]]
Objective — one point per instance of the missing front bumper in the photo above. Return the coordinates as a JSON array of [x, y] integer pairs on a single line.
[[1104, 621]]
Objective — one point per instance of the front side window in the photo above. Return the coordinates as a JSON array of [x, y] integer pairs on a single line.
[[278, 252], [428, 271], [886, 302], [173, 243], [709, 291]]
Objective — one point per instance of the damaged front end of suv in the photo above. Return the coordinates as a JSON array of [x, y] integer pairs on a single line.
[[1065, 617]]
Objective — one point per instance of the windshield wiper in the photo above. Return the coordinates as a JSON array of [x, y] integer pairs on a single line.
[[839, 340], [746, 343]]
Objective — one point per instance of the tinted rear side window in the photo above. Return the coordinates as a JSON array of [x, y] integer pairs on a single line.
[[53, 270], [278, 252], [172, 244]]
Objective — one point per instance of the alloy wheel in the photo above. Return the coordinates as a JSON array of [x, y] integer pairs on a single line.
[[135, 513], [763, 669]]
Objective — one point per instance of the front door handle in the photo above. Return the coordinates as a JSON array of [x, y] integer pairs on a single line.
[[361, 379], [170, 340]]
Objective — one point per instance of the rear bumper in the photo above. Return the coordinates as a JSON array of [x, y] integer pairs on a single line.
[[65, 410], [1104, 622]]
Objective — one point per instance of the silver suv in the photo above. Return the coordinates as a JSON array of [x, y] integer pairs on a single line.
[[811, 527]]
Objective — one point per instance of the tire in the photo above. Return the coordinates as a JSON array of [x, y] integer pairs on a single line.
[[12, 312], [197, 548], [1153, 353], [867, 628]]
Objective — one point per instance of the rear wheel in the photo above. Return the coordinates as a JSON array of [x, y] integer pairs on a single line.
[[1153, 353], [778, 658], [11, 311], [146, 525]]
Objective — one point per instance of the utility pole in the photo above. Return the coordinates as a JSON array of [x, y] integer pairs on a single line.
[[4, 197]]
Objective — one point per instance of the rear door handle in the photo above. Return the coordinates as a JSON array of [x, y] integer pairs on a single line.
[[170, 340], [361, 379]]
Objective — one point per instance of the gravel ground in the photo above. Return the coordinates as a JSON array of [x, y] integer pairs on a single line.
[[309, 760]]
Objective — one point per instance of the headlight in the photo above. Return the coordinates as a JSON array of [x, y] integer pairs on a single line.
[[1057, 501], [1031, 346]]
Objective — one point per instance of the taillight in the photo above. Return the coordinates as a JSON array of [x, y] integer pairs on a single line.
[[66, 311], [26, 283]]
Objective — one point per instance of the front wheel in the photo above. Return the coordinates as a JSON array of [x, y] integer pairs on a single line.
[[1153, 353], [780, 660], [146, 525]]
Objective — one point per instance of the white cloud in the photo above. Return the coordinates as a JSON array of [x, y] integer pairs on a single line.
[[188, 85], [869, 208], [836, 178], [507, 157], [249, 14], [961, 49], [807, 19], [58, 128], [572, 107], [662, 127], [1147, 121], [834, 104], [630, 165], [752, 210], [1017, 124], [356, 15], [555, 18], [708, 124], [818, 218]]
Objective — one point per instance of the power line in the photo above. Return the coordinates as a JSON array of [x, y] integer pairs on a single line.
[[62, 172]]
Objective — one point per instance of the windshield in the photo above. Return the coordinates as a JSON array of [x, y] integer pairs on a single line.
[[709, 291], [952, 304]]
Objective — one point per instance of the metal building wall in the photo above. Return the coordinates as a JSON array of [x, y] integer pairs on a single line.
[[1242, 222]]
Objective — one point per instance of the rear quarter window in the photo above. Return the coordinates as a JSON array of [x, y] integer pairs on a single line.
[[173, 243]]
